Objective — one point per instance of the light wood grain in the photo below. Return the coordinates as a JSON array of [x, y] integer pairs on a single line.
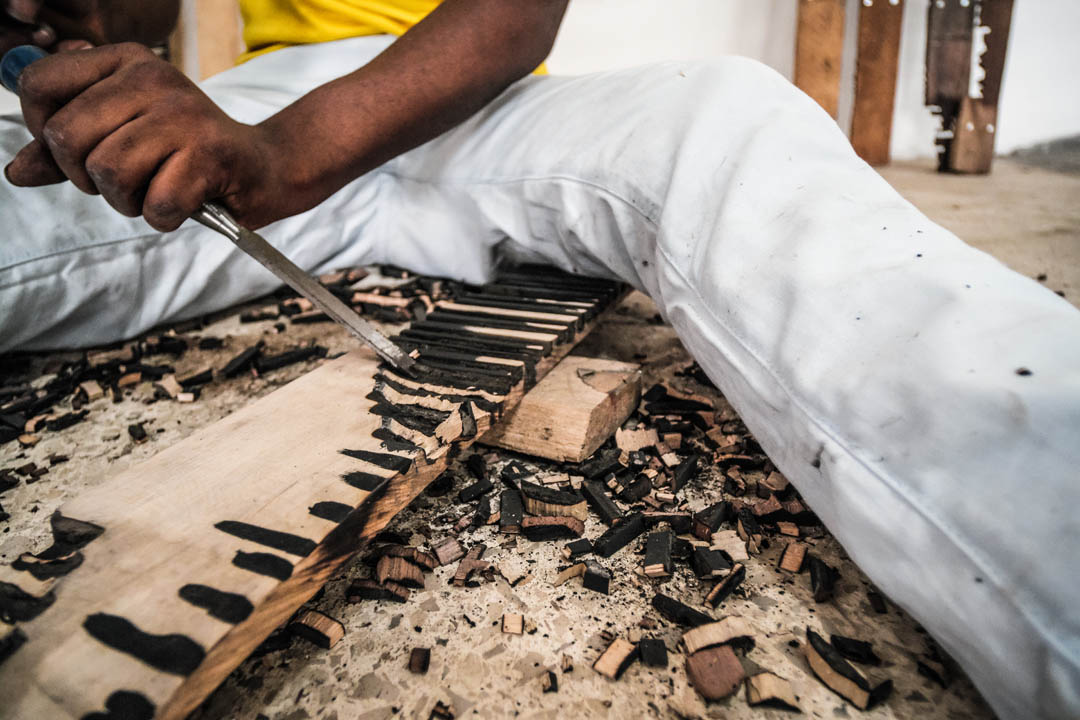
[[572, 411], [819, 50], [877, 59]]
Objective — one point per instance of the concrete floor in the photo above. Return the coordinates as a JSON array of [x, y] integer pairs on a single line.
[[1029, 218]]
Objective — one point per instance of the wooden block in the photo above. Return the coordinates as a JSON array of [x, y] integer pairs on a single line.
[[715, 673], [709, 563], [549, 682], [856, 650], [950, 25], [836, 672], [731, 630], [601, 502], [425, 561], [766, 688], [631, 440], [419, 660], [792, 558], [577, 548], [539, 529], [679, 613], [572, 411], [619, 536], [658, 562], [787, 528], [470, 564], [540, 500], [971, 149], [822, 579], [618, 656], [596, 577], [448, 551], [819, 50], [722, 589], [132, 378], [28, 440], [400, 571], [371, 590], [653, 652], [731, 544], [317, 628], [510, 510], [877, 59], [169, 386], [513, 624], [92, 390]]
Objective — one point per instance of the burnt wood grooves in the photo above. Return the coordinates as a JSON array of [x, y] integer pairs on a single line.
[[470, 355]]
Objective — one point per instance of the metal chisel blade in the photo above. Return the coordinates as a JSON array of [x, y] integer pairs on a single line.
[[273, 260]]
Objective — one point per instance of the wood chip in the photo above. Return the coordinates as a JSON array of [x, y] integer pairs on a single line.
[[715, 673], [29, 440], [130, 379], [448, 551], [653, 652], [545, 501], [540, 529], [419, 660], [631, 440], [837, 673], [596, 578], [614, 661], [569, 573], [658, 562], [567, 663], [398, 570], [766, 688], [731, 630], [92, 390], [318, 628], [549, 682], [169, 386], [730, 542], [822, 579], [620, 535], [371, 590], [721, 590], [788, 528], [513, 624], [775, 482], [792, 558]]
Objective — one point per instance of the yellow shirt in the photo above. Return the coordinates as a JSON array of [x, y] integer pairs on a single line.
[[273, 24]]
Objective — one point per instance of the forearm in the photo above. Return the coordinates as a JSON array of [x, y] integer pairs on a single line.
[[438, 74], [144, 21]]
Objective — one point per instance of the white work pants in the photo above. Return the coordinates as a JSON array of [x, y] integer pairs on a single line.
[[872, 353]]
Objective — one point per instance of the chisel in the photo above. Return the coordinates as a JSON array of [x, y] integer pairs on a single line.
[[217, 218]]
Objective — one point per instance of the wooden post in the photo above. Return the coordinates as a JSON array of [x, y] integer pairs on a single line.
[[880, 22], [819, 49], [207, 38], [972, 148]]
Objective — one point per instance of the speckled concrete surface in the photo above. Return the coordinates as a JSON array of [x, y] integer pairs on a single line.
[[475, 668]]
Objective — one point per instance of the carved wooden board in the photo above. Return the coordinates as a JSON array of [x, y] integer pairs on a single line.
[[172, 572]]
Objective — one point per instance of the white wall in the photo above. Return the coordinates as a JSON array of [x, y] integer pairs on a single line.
[[1040, 98]]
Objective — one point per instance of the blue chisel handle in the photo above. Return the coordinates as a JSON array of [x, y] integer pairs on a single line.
[[15, 61]]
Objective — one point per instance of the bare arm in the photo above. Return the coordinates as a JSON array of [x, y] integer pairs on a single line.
[[438, 74], [118, 121]]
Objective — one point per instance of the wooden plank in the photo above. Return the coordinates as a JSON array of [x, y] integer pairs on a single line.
[[819, 50], [190, 559], [877, 59], [207, 39], [950, 28], [572, 411], [972, 148]]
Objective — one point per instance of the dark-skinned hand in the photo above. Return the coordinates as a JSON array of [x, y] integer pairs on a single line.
[[51, 24], [119, 121]]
